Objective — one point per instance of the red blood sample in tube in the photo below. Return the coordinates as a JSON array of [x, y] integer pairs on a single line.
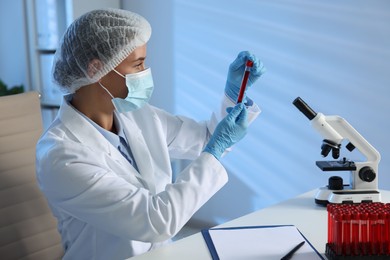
[[382, 232], [355, 219], [373, 231], [347, 233], [364, 233], [338, 233], [336, 213], [330, 223], [387, 232], [244, 81]]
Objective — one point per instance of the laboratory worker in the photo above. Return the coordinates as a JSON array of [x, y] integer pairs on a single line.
[[104, 164]]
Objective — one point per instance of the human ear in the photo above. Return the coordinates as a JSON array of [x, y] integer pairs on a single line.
[[94, 66]]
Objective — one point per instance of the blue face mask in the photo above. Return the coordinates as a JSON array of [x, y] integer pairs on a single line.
[[140, 89]]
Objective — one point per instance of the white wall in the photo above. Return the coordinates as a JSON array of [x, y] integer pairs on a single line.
[[13, 48], [334, 54], [160, 48], [76, 8]]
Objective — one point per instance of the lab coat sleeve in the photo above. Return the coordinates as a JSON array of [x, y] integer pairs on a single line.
[[80, 184], [186, 138]]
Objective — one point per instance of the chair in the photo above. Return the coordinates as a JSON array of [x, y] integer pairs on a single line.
[[28, 229]]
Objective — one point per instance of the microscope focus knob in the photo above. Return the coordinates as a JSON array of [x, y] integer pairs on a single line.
[[335, 183], [367, 174]]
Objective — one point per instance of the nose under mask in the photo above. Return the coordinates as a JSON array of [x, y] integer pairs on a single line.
[[140, 88]]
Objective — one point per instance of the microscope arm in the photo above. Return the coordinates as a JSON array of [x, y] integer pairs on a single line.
[[340, 126], [336, 129]]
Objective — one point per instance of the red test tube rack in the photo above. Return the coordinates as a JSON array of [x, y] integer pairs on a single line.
[[358, 231]]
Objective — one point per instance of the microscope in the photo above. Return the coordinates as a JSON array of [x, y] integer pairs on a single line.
[[363, 186]]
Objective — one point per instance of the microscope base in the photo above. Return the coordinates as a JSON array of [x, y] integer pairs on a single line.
[[325, 196]]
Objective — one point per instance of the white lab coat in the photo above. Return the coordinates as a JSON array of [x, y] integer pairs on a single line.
[[105, 208]]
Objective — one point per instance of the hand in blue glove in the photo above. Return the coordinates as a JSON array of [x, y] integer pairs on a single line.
[[236, 72], [229, 131]]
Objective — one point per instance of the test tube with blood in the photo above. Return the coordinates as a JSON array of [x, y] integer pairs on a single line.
[[338, 233], [382, 231], [346, 233], [248, 66], [355, 218], [387, 232], [329, 208], [335, 212], [364, 233], [373, 229]]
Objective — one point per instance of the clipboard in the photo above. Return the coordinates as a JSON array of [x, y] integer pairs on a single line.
[[257, 242]]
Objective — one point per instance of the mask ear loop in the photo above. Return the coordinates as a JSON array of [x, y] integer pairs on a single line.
[[106, 90], [120, 74]]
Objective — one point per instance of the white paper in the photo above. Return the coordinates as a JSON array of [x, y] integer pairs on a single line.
[[260, 243]]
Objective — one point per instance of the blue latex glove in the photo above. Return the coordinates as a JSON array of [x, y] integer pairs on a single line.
[[229, 131], [236, 72]]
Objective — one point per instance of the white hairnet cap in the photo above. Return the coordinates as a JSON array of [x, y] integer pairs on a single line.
[[96, 43]]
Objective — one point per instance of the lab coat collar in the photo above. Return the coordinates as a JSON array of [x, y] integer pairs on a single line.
[[139, 148], [84, 131]]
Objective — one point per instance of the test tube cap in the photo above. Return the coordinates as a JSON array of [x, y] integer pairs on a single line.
[[249, 63]]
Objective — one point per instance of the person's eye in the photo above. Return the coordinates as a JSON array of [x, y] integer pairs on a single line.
[[139, 66]]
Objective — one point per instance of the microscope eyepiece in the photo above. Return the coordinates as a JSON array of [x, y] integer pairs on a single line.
[[304, 108]]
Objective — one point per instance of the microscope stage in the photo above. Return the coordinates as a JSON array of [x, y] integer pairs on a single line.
[[336, 165]]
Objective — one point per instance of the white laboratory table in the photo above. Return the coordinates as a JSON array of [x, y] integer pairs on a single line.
[[300, 211]]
